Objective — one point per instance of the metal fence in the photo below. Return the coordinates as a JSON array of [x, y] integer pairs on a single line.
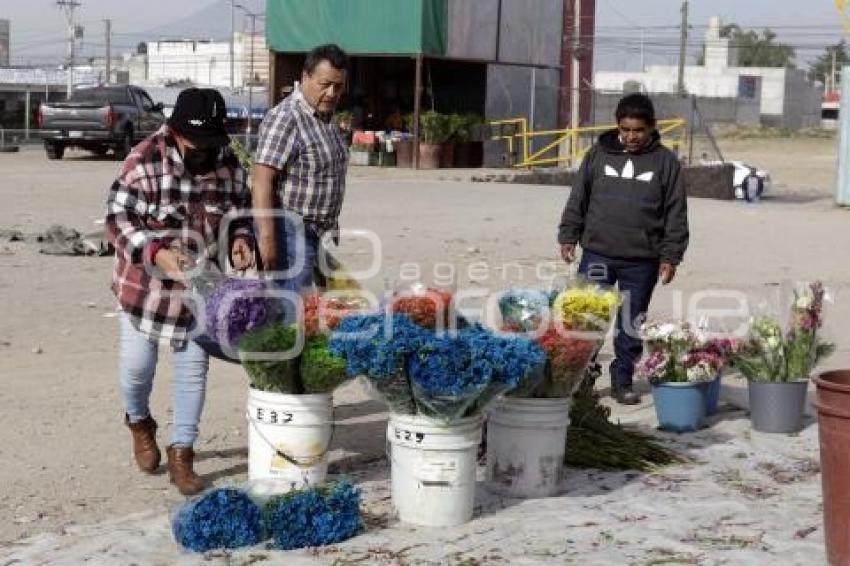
[[566, 147]]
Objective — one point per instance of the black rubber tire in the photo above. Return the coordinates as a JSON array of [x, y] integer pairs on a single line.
[[54, 150], [123, 149], [100, 151]]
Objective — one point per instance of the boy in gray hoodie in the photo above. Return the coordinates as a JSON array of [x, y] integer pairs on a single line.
[[628, 209]]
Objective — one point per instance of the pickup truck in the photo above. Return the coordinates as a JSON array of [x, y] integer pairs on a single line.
[[98, 119]]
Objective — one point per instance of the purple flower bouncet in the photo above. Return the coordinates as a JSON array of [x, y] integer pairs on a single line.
[[235, 307]]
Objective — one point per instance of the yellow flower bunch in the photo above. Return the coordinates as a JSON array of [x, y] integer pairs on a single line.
[[586, 307]]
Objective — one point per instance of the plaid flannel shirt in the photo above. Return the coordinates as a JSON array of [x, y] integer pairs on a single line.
[[155, 203], [312, 158]]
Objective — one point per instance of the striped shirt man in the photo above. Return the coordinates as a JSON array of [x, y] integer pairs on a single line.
[[308, 150]]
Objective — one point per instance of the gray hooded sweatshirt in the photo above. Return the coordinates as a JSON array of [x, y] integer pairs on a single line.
[[628, 205]]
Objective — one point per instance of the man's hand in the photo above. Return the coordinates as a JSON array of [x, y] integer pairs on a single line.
[[241, 254], [172, 263], [568, 252], [268, 252], [666, 272]]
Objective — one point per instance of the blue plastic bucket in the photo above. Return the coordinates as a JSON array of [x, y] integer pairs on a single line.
[[680, 407], [712, 396]]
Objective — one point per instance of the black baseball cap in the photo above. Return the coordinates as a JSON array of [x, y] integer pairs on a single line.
[[198, 116]]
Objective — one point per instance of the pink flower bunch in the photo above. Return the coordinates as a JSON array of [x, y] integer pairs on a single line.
[[702, 365], [721, 348], [654, 366], [679, 352]]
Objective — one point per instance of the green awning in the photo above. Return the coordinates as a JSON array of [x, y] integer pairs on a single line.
[[364, 27]]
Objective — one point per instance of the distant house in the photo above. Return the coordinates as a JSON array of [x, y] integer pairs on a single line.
[[207, 62], [783, 96]]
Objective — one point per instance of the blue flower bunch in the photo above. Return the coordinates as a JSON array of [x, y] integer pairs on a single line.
[[456, 375], [513, 358], [236, 306], [371, 348], [313, 517], [523, 310], [447, 378], [220, 518], [518, 363], [446, 365]]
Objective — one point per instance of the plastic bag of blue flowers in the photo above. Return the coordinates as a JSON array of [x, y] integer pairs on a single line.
[[318, 516], [377, 347], [525, 310], [457, 375], [221, 518]]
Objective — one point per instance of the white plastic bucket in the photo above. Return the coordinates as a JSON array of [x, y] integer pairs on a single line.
[[526, 443], [433, 469], [288, 441]]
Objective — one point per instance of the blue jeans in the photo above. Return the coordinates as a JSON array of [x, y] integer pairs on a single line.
[[297, 249], [635, 279], [137, 366]]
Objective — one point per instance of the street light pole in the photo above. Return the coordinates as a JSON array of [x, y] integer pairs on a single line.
[[250, 82], [69, 6], [232, 50]]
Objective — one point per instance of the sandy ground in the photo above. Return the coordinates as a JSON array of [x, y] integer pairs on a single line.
[[71, 493]]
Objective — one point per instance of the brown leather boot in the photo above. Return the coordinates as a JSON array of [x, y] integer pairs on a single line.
[[145, 450], [180, 459]]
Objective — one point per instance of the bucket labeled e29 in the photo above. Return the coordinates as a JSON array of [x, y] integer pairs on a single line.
[[433, 469]]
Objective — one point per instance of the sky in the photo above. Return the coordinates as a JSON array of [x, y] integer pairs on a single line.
[[38, 26]]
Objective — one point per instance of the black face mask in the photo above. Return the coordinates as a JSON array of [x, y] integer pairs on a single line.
[[200, 162]]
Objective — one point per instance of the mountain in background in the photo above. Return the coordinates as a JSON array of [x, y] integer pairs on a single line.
[[211, 22]]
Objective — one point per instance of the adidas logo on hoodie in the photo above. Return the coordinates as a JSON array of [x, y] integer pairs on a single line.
[[629, 172]]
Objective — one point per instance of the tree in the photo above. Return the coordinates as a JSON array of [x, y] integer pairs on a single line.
[[820, 69], [756, 50]]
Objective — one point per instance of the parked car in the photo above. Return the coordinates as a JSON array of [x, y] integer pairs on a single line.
[[99, 119]]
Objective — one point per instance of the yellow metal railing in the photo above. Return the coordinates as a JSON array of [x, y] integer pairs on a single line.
[[570, 145]]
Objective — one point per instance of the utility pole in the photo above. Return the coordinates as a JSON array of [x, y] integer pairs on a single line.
[[683, 40], [575, 102], [69, 6], [832, 75], [232, 49], [250, 82], [108, 24]]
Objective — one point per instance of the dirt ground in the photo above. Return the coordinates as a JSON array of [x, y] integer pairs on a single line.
[[64, 453]]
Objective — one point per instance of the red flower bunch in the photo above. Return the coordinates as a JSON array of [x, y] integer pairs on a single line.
[[425, 308], [323, 314], [566, 352]]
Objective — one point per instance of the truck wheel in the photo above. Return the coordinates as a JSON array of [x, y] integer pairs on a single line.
[[122, 150], [54, 150]]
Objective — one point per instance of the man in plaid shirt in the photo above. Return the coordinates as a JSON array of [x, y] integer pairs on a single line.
[[165, 208], [299, 171]]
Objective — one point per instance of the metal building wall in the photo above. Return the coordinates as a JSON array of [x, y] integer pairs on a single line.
[[529, 34], [473, 29]]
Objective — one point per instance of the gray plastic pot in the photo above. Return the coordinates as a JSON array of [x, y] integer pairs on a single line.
[[777, 406]]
